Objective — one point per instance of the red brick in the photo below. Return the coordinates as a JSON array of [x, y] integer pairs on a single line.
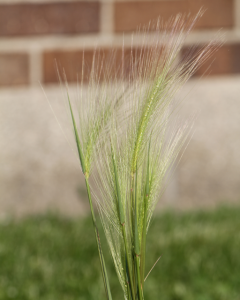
[[72, 62], [14, 69], [223, 62], [130, 15], [109, 62], [53, 18]]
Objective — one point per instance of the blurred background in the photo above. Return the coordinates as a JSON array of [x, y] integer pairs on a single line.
[[38, 168], [40, 173]]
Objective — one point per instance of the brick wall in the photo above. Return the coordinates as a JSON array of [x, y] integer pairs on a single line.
[[35, 33], [38, 169]]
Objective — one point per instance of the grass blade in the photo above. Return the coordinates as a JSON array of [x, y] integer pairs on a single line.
[[80, 154], [102, 261]]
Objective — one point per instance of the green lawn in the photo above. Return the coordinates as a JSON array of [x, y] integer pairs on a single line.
[[51, 257]]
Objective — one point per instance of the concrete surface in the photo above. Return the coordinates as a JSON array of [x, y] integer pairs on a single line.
[[39, 171]]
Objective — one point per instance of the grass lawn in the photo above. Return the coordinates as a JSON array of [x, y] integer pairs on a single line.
[[53, 258]]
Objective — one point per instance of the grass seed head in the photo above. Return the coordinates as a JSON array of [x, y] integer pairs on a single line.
[[124, 133]]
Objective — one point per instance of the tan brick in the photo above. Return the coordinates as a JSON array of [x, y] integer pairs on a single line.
[[224, 61], [129, 15], [52, 18], [14, 69]]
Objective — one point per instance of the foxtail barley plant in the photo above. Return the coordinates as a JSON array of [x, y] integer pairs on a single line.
[[125, 142]]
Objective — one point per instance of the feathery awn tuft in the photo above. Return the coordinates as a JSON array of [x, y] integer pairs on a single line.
[[124, 142]]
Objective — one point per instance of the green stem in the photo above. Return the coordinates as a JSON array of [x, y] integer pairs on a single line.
[[140, 290], [127, 279], [102, 261], [133, 225], [143, 247], [144, 231], [121, 216], [128, 262], [136, 241]]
